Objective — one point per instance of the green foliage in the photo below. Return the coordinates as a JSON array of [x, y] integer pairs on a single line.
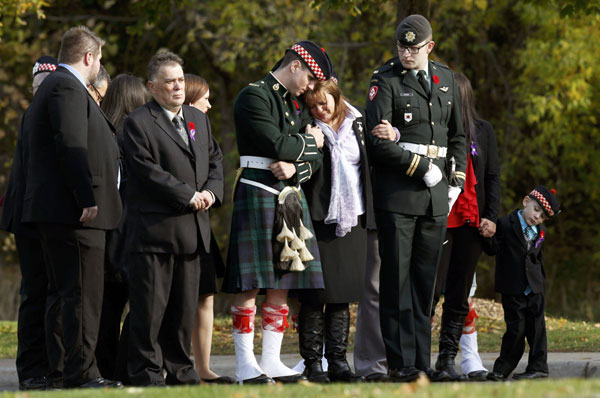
[[532, 65]]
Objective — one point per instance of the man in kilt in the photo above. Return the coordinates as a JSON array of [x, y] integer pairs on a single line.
[[278, 149]]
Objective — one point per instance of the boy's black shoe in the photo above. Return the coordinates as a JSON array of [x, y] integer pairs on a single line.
[[33, 383], [530, 375], [496, 376]]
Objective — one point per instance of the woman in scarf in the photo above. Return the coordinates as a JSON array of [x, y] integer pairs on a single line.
[[340, 203]]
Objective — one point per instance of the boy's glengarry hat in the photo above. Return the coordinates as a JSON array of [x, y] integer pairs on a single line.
[[547, 199], [45, 63]]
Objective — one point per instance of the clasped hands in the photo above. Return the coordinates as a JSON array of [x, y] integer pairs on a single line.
[[201, 201]]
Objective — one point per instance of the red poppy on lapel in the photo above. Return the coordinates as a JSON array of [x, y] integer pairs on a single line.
[[436, 79], [540, 240], [192, 129]]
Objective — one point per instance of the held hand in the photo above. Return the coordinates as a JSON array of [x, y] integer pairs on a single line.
[[453, 193], [88, 214], [283, 170], [207, 200], [487, 228], [433, 176], [384, 131], [317, 133], [197, 201]]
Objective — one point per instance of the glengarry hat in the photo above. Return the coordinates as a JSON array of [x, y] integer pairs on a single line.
[[547, 200], [314, 57], [45, 63], [413, 30]]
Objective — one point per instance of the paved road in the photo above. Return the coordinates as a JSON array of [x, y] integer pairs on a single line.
[[561, 365]]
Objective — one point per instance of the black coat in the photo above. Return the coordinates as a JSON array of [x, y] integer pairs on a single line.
[[15, 191], [487, 172], [71, 157], [163, 174], [516, 266], [318, 188]]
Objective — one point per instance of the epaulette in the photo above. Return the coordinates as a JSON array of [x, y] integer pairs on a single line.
[[389, 65], [440, 65]]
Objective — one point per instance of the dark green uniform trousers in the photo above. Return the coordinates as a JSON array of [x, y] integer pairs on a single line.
[[409, 247]]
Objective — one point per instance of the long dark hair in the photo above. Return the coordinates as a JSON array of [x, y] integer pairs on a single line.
[[125, 94], [195, 88], [470, 117]]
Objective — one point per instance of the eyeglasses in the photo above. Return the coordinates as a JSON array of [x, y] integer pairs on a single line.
[[411, 50], [99, 96]]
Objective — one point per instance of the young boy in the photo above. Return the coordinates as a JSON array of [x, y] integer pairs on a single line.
[[520, 278]]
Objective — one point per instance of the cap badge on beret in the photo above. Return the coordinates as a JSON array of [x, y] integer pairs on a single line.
[[410, 36], [310, 61]]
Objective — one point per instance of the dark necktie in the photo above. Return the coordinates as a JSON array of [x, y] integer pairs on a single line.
[[423, 81], [181, 130]]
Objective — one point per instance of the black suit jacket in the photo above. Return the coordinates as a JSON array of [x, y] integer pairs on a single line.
[[163, 174], [15, 191], [487, 172], [318, 188], [71, 156], [516, 266]]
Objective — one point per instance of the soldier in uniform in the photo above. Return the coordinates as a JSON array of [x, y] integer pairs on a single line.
[[417, 100], [278, 148]]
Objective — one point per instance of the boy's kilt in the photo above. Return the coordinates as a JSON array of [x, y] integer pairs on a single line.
[[250, 254]]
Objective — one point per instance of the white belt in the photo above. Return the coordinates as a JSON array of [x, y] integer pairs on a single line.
[[429, 151], [260, 185], [255, 162]]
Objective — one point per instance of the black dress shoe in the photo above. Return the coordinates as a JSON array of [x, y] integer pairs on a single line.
[[437, 376], [260, 379], [219, 380], [378, 378], [101, 382], [34, 383], [290, 379], [530, 375], [496, 376], [478, 375], [404, 375]]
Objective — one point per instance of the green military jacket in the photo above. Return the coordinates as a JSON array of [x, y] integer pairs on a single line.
[[395, 95], [270, 122]]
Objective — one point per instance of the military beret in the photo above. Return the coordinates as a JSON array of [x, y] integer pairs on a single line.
[[413, 29], [44, 63], [547, 200]]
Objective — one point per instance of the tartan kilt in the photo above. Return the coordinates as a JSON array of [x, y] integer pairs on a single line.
[[250, 252]]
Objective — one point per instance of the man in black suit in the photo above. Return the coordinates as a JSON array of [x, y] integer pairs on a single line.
[[39, 351], [175, 176], [71, 196]]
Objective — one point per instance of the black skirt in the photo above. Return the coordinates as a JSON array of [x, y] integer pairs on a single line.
[[343, 261]]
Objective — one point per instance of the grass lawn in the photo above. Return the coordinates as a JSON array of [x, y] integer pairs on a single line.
[[563, 335], [419, 389]]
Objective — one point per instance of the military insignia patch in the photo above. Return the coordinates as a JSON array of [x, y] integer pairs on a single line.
[[410, 36], [373, 92], [444, 89], [408, 117]]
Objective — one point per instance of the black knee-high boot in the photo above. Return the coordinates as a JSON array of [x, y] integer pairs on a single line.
[[337, 329], [311, 322], [448, 344]]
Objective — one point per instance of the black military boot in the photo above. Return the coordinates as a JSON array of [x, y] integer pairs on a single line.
[[311, 322], [337, 329], [449, 340]]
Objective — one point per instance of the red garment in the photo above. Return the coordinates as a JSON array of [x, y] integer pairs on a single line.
[[466, 207]]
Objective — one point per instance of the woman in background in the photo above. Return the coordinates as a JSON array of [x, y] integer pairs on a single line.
[[473, 216], [124, 94], [197, 95]]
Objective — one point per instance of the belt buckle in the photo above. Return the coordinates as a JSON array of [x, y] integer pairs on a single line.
[[432, 151]]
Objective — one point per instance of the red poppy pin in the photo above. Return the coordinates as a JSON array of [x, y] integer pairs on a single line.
[[436, 79], [540, 240], [192, 129]]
